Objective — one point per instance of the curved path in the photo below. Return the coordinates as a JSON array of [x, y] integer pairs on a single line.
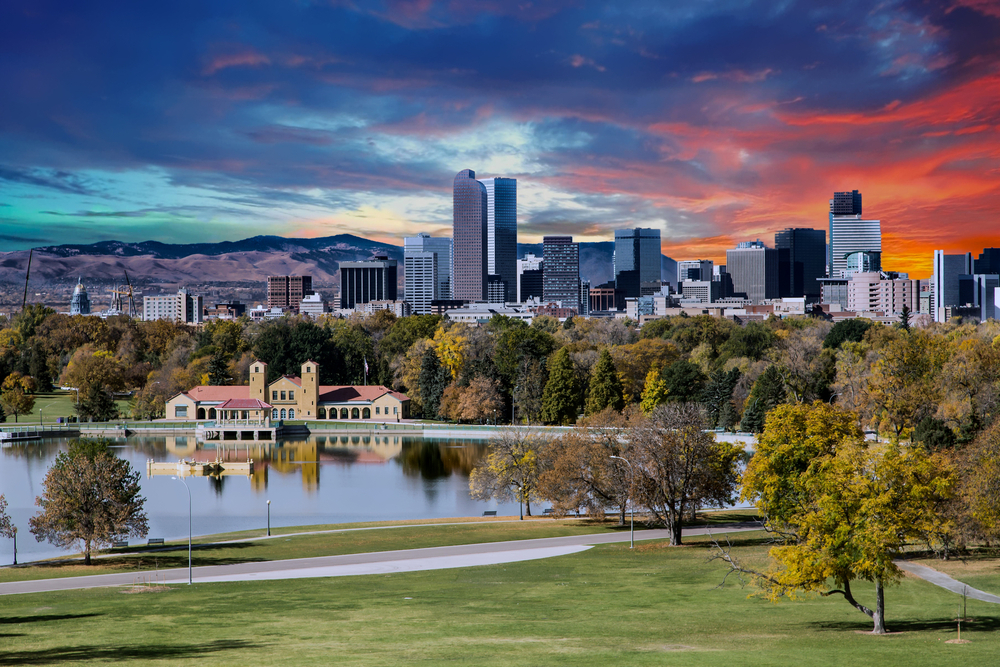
[[941, 579], [407, 560]]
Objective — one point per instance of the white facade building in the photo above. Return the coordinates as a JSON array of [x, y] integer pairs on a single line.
[[182, 307], [849, 234], [313, 305], [425, 287]]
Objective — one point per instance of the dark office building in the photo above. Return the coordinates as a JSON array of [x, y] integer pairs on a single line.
[[531, 284], [286, 292], [561, 271], [988, 262], [362, 282], [805, 261], [628, 284], [469, 232], [846, 203], [639, 250]]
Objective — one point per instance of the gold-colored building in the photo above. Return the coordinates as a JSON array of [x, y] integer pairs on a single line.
[[290, 397]]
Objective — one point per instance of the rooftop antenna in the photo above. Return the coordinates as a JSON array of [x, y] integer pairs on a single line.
[[27, 274]]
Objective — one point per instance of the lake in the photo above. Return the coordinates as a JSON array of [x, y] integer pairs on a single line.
[[316, 480]]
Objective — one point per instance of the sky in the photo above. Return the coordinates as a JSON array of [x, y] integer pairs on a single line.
[[715, 122]]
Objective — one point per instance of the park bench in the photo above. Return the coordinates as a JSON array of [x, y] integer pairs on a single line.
[[154, 540], [119, 545], [547, 510], [490, 513]]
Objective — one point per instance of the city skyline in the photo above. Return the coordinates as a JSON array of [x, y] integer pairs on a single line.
[[714, 124]]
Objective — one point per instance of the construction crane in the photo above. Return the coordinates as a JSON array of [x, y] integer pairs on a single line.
[[119, 295]]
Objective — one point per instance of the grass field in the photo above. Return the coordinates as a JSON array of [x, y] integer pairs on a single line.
[[606, 606], [50, 406]]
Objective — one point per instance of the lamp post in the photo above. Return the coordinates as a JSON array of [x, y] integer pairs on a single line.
[[631, 505], [15, 545], [40, 410], [190, 577], [269, 518]]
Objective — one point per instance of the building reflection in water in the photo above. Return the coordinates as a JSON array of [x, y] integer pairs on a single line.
[[417, 457]]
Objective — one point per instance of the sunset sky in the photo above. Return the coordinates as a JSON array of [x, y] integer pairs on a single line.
[[715, 122]]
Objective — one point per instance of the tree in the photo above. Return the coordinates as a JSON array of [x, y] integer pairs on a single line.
[[853, 330], [605, 388], [840, 507], [15, 395], [768, 391], [718, 394], [903, 386], [934, 434], [655, 391], [579, 471], [511, 470], [432, 382], [97, 404], [218, 370], [529, 391], [560, 401], [981, 482], [480, 401], [904, 318], [684, 380], [7, 527], [90, 498], [680, 467]]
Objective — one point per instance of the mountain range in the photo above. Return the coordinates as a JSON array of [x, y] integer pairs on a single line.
[[251, 259]]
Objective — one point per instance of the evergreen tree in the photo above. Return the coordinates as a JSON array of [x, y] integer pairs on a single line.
[[3, 415], [561, 398], [768, 392], [605, 387], [654, 392], [718, 394], [685, 382], [97, 404], [431, 383], [218, 370], [904, 318]]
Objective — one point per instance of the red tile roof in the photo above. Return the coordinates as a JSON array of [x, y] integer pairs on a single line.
[[244, 404], [344, 394], [203, 393]]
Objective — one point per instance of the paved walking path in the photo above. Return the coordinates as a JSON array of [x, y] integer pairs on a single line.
[[406, 560], [944, 581]]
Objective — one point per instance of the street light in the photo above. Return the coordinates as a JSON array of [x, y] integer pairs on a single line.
[[269, 518], [631, 505], [15, 545], [189, 526], [40, 412]]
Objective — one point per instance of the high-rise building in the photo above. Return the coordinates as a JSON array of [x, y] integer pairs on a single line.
[[529, 278], [862, 261], [371, 280], [501, 231], [947, 270], [79, 303], [754, 270], [638, 250], [806, 259], [585, 298], [182, 307], [470, 257], [988, 262], [427, 269], [848, 232], [978, 291], [496, 289], [561, 271], [421, 270], [882, 292], [694, 269], [286, 292]]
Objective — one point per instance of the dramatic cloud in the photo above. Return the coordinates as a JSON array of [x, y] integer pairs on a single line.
[[715, 122]]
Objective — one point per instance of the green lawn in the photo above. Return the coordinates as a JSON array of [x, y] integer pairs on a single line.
[[606, 606], [49, 406]]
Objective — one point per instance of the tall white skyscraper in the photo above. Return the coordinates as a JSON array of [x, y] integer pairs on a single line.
[[430, 277], [501, 231], [849, 232]]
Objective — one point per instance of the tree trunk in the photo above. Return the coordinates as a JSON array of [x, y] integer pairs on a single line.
[[621, 516], [675, 533], [86, 553], [527, 505], [879, 616]]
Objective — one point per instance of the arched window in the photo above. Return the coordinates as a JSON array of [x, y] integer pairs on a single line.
[[274, 413], [321, 413], [211, 413], [282, 413], [343, 413], [291, 413], [366, 414], [201, 413], [354, 413]]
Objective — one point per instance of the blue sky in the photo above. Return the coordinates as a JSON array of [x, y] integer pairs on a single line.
[[712, 121]]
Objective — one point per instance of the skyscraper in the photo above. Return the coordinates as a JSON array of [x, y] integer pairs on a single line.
[[421, 286], [501, 232], [638, 250], [286, 292], [529, 277], [848, 232], [806, 258], [561, 271], [946, 281], [694, 269], [470, 246], [754, 270], [363, 282]]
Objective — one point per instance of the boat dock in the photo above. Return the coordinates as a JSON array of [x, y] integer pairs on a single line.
[[184, 468]]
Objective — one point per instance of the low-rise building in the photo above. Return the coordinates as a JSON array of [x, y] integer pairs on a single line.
[[183, 307], [289, 397]]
